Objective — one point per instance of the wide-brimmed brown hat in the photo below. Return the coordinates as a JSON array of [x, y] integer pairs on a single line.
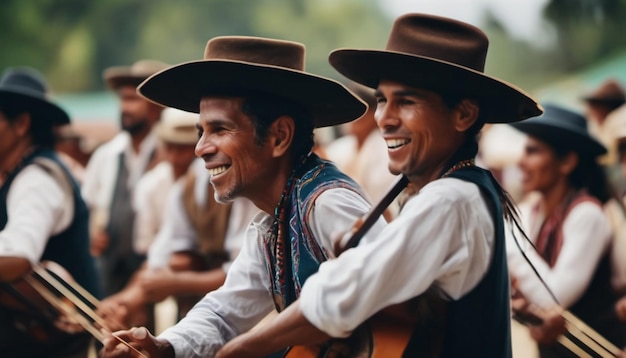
[[178, 127], [132, 75], [28, 85], [609, 93], [439, 54], [238, 63]]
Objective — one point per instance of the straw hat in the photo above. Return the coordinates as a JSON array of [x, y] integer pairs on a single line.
[[132, 75], [178, 127]]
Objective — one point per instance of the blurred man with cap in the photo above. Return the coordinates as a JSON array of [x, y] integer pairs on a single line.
[[446, 247], [258, 108], [113, 172], [42, 217]]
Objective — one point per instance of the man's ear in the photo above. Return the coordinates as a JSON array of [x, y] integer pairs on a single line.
[[22, 124], [467, 114], [568, 163], [281, 135]]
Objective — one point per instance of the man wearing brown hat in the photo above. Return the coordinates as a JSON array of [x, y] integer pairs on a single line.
[[258, 109], [113, 171], [42, 218], [447, 244]]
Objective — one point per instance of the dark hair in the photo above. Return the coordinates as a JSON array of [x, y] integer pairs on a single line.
[[41, 130], [265, 109], [588, 174]]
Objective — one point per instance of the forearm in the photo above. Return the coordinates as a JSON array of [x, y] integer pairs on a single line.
[[289, 328], [191, 282]]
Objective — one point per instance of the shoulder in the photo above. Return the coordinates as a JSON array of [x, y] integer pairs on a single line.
[[114, 146]]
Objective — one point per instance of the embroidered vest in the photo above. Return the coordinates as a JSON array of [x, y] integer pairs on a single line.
[[289, 270], [69, 248], [478, 324]]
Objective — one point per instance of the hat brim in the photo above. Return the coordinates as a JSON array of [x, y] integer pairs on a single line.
[[561, 135], [183, 86], [502, 102], [41, 108]]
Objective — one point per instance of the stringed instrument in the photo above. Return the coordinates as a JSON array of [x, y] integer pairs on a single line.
[[47, 306], [578, 338], [388, 332]]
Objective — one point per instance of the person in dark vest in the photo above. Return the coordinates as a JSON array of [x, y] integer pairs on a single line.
[[569, 228], [42, 218], [258, 108], [446, 248], [113, 172]]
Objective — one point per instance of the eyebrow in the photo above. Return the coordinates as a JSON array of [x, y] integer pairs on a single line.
[[401, 93]]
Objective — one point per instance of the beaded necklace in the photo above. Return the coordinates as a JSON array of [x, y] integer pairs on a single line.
[[462, 164]]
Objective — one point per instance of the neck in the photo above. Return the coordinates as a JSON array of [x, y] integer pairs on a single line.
[[267, 192], [137, 139], [553, 197], [12, 159]]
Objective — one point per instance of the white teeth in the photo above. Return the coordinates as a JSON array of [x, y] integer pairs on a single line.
[[217, 170], [396, 143]]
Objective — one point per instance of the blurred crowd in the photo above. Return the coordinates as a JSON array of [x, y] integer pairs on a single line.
[[156, 232]]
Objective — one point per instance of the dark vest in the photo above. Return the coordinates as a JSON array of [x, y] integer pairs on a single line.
[[69, 248], [478, 324]]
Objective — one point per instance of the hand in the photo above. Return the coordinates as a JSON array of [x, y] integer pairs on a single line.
[[620, 309], [114, 312], [156, 285], [141, 340], [99, 243], [552, 327]]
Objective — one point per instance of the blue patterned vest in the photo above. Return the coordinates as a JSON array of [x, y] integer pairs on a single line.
[[69, 248], [289, 270]]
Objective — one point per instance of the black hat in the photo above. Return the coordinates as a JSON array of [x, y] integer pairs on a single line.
[[562, 128], [27, 84]]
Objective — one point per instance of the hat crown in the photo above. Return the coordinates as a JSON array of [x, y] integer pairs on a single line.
[[261, 51], [610, 90], [441, 39], [25, 79], [556, 114]]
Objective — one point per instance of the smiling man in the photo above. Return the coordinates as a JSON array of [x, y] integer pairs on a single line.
[[258, 109], [446, 247]]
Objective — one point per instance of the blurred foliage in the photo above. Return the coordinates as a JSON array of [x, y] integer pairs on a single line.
[[73, 41]]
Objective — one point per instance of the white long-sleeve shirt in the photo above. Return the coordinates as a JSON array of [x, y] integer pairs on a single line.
[[586, 237], [245, 298], [38, 208], [444, 235]]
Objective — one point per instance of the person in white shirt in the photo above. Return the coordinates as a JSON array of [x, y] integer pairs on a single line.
[[258, 109], [448, 239], [43, 220], [177, 135], [569, 228], [113, 171]]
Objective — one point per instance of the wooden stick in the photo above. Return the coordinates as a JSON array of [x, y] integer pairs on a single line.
[[370, 218]]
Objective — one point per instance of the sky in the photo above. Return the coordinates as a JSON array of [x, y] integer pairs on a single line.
[[521, 18]]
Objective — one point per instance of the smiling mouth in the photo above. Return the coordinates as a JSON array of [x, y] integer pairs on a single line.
[[218, 170], [396, 143]]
